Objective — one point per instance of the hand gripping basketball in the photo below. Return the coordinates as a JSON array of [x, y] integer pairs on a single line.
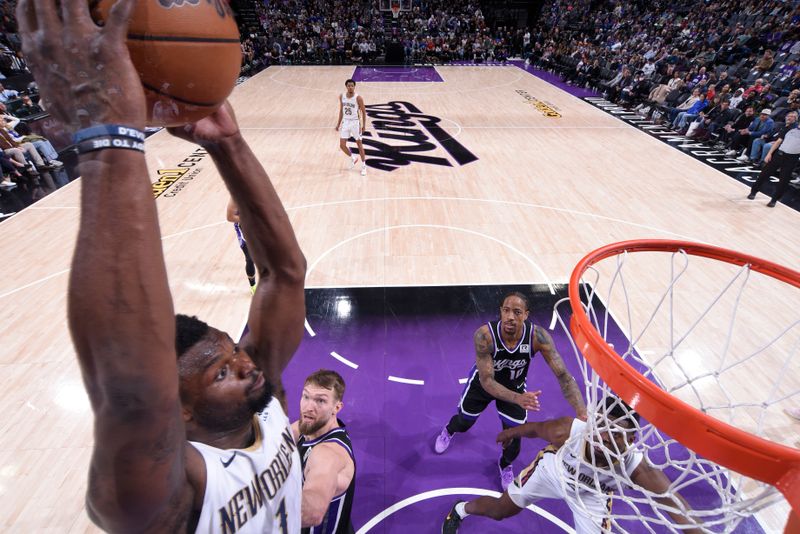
[[210, 130], [84, 72]]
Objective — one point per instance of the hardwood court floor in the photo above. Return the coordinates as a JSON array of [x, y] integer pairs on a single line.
[[542, 192]]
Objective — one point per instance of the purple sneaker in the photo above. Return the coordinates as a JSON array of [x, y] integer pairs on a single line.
[[443, 441], [506, 476]]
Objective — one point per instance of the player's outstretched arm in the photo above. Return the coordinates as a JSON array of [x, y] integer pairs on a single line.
[[119, 306], [484, 347], [654, 480], [321, 480], [555, 431], [543, 342], [341, 113], [278, 308]]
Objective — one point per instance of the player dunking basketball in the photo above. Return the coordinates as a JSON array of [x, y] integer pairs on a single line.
[[352, 122], [503, 352], [190, 434]]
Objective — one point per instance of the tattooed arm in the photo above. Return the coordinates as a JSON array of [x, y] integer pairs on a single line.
[[569, 388], [484, 346]]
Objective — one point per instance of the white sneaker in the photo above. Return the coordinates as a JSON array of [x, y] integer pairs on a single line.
[[743, 158], [4, 215], [56, 163], [7, 184], [363, 170], [730, 153]]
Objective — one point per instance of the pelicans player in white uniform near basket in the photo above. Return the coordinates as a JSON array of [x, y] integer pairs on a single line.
[[352, 122], [584, 472]]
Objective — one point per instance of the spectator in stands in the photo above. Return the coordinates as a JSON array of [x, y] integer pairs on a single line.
[[794, 84], [649, 68], [28, 107], [737, 100], [685, 105], [636, 91], [660, 92], [682, 119], [7, 94], [22, 134], [788, 69], [721, 116], [8, 170], [18, 151], [731, 129], [763, 144], [767, 60], [767, 97], [722, 81], [761, 125], [754, 90]]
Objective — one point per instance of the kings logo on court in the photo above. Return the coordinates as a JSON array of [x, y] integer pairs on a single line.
[[400, 134]]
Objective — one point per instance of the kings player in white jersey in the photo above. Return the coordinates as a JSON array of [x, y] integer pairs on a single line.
[[190, 434], [352, 122], [561, 474]]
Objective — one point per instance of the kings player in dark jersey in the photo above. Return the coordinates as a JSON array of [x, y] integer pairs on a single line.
[[329, 466], [503, 352]]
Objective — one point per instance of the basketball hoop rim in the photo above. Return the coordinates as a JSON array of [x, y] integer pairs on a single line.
[[715, 440]]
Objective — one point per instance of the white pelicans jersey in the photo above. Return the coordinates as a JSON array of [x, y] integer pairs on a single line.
[[257, 490]]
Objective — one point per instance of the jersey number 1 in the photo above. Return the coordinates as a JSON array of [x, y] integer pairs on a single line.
[[281, 515]]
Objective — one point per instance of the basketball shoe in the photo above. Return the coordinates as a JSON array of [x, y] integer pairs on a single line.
[[452, 521], [364, 169], [506, 476], [443, 441]]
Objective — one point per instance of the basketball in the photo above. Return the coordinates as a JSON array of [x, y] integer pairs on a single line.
[[187, 53]]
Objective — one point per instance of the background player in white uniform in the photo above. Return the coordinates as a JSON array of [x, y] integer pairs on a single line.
[[178, 446], [352, 123], [543, 478]]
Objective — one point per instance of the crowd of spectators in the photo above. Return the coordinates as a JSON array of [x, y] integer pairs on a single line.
[[720, 71], [439, 31], [296, 32], [29, 164]]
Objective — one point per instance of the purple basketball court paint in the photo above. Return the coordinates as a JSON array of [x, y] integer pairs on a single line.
[[554, 79], [425, 335], [397, 74]]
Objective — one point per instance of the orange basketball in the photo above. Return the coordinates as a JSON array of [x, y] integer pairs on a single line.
[[187, 53]]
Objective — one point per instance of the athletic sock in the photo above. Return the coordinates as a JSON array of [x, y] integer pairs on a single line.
[[461, 510]]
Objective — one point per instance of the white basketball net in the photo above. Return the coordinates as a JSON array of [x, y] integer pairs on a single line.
[[696, 341]]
